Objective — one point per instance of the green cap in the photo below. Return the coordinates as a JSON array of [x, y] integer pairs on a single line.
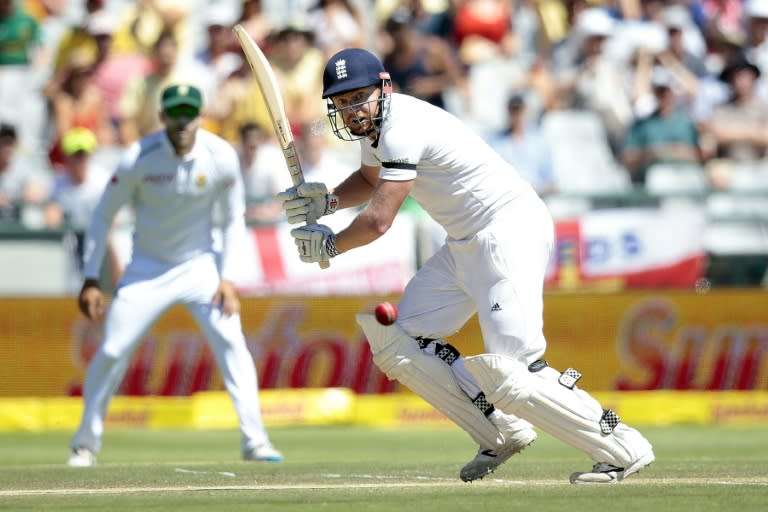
[[78, 139], [181, 94]]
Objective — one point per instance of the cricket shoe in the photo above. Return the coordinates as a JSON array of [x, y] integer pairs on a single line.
[[81, 458], [486, 461], [263, 453], [603, 473]]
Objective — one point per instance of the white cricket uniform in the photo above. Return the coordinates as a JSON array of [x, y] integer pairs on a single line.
[[173, 261], [500, 239], [500, 233]]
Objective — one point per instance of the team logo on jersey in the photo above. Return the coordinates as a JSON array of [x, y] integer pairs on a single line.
[[200, 181], [341, 69]]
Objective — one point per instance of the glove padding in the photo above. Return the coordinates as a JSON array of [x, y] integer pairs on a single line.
[[316, 243], [308, 202]]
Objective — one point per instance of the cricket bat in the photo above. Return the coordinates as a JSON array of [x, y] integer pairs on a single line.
[[270, 90]]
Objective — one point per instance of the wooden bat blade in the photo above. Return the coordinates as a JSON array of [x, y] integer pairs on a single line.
[[270, 90]]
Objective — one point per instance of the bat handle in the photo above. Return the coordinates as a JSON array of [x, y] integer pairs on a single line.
[[323, 264]]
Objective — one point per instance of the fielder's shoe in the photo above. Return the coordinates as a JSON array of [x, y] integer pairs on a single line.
[[81, 458], [603, 473], [486, 461], [263, 453]]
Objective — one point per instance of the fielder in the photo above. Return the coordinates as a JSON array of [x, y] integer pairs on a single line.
[[493, 263], [174, 179]]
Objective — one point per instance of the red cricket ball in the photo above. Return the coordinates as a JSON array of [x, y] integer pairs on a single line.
[[386, 313]]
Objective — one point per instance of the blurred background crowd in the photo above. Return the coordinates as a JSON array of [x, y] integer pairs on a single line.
[[597, 103]]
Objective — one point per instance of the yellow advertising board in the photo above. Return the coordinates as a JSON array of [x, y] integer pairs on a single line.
[[620, 341]]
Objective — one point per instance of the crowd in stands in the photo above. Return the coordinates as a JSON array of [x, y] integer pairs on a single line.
[[585, 98]]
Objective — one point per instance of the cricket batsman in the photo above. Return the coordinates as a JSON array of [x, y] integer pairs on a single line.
[[500, 238]]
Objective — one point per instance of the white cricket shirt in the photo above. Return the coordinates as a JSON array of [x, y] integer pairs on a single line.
[[459, 180], [173, 200]]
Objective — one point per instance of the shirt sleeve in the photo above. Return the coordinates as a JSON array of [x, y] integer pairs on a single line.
[[118, 192], [232, 204], [400, 152]]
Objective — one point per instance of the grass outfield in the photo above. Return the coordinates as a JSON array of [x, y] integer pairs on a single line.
[[345, 469]]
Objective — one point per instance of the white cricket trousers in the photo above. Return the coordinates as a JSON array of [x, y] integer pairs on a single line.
[[141, 298], [498, 274]]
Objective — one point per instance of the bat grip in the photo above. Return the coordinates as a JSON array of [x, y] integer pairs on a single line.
[[312, 220]]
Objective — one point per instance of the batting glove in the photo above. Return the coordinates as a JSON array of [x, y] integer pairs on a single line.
[[308, 202], [315, 243]]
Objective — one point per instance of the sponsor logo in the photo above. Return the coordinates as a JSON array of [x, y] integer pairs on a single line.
[[158, 179]]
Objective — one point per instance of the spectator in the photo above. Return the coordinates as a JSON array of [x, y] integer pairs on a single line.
[[420, 65], [738, 129], [487, 19], [77, 39], [336, 24], [20, 36], [79, 103], [239, 102], [298, 66], [216, 61], [113, 70], [677, 22], [145, 21], [138, 104], [22, 190], [255, 21], [76, 192], [262, 164], [667, 135], [756, 22], [78, 188], [435, 21], [590, 79], [525, 147]]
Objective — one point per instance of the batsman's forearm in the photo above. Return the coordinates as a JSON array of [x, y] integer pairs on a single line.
[[353, 191], [363, 230]]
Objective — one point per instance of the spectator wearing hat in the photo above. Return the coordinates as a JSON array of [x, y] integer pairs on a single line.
[[738, 129], [76, 191], [216, 61], [589, 79]]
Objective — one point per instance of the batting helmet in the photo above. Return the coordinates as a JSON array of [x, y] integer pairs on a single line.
[[352, 68]]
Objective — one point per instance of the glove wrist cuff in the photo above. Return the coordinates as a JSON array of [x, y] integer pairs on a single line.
[[331, 204], [330, 246]]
